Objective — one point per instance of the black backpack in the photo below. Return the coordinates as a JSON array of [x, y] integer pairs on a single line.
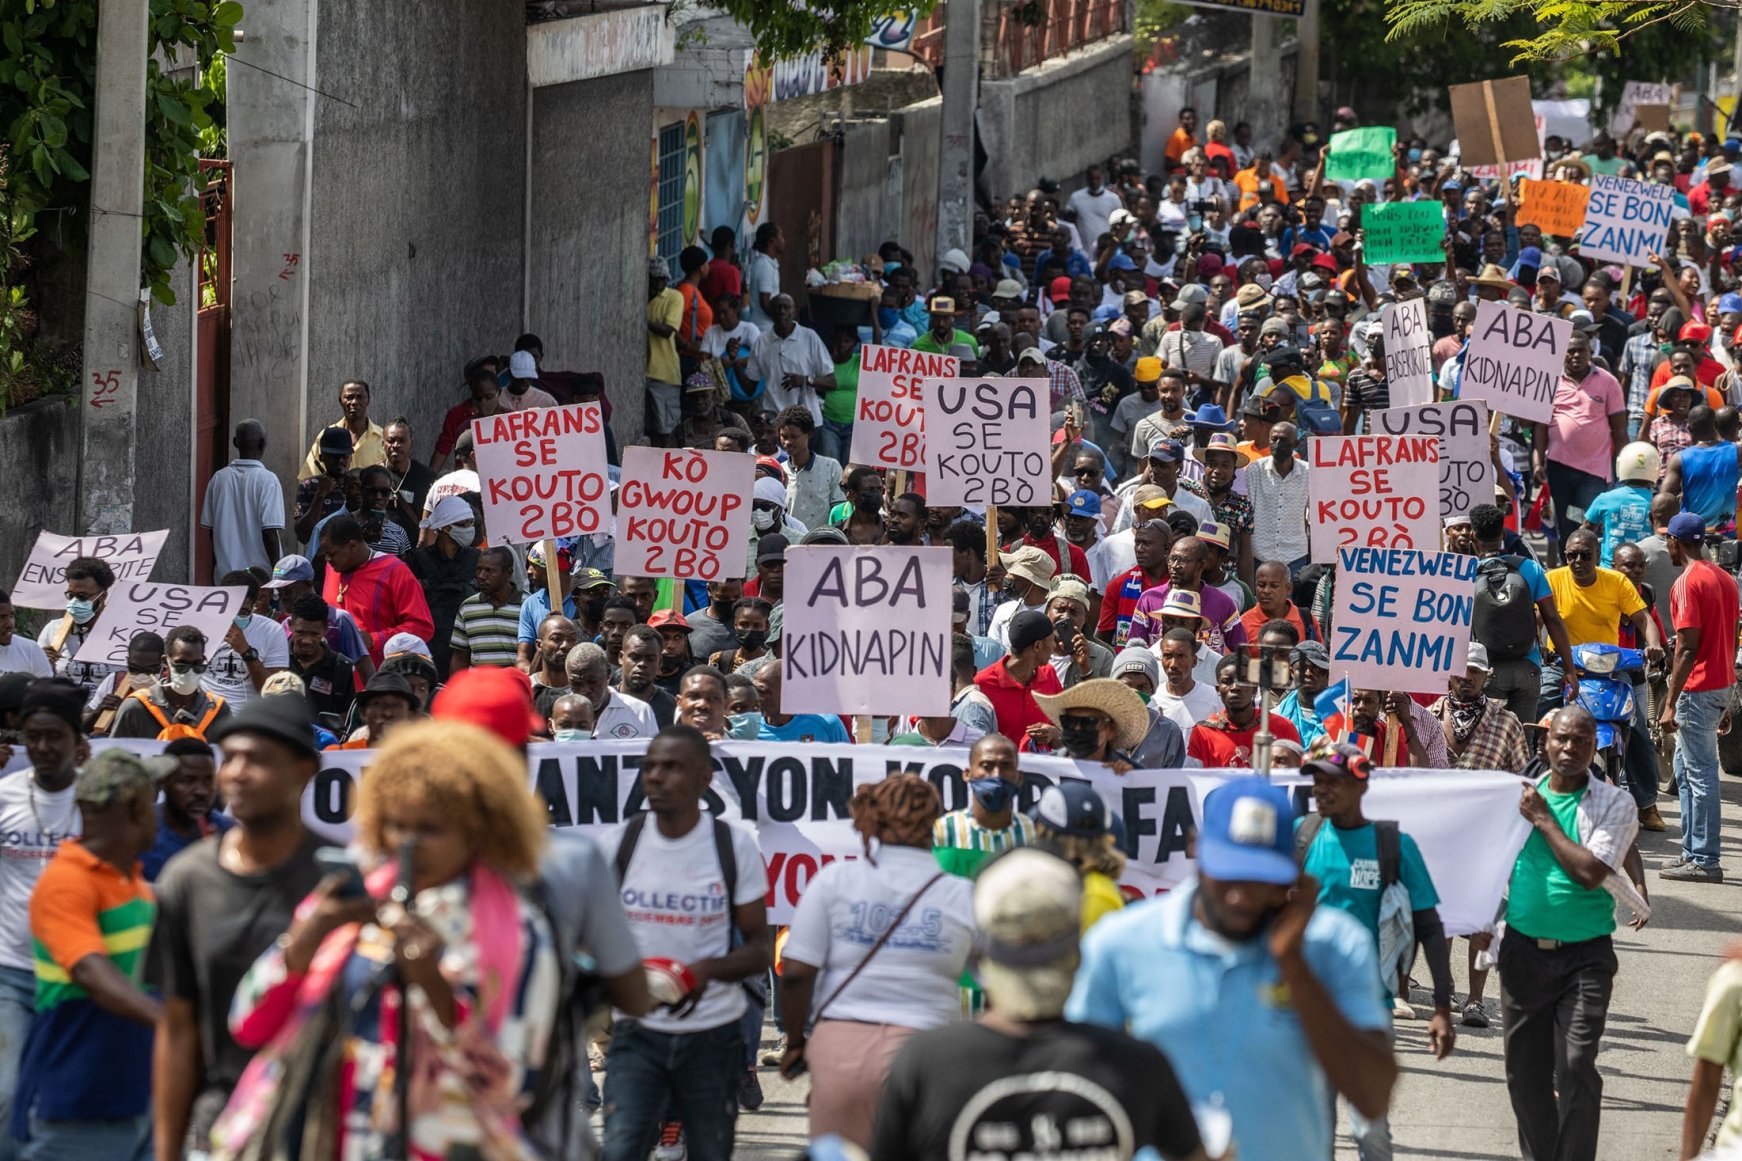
[[1505, 616]]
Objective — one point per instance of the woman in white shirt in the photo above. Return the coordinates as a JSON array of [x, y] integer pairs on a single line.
[[881, 943]]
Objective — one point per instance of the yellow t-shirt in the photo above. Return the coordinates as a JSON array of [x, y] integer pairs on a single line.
[[1101, 897], [1718, 1038], [1593, 615], [662, 365]]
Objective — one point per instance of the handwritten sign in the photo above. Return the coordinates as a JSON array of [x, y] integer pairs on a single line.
[[866, 631], [1466, 468], [1367, 152], [1557, 207], [990, 442], [42, 583], [1404, 232], [1531, 168], [1482, 109], [1514, 360], [1625, 220], [1409, 359], [1379, 490], [1645, 104], [889, 415], [1401, 619], [684, 514], [141, 606], [543, 472]]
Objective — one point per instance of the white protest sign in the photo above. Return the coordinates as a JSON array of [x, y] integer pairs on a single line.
[[1635, 94], [889, 414], [141, 606], [866, 631], [1626, 221], [1530, 167], [1409, 361], [1402, 618], [1466, 466], [1372, 490], [990, 443], [42, 583], [1514, 360], [684, 514], [542, 470]]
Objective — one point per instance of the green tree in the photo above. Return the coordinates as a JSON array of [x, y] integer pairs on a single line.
[[1557, 30]]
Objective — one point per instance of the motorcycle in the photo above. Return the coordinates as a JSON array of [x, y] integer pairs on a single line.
[[1606, 690]]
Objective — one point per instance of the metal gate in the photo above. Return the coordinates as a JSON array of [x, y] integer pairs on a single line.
[[212, 346]]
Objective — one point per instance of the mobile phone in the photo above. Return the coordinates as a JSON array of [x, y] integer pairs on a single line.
[[338, 861], [1067, 632]]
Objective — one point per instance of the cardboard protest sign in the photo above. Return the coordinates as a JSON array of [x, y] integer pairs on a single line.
[[684, 514], [543, 472], [1402, 618], [990, 442], [1409, 365], [1369, 151], [1626, 221], [42, 583], [866, 631], [1466, 468], [1644, 104], [1514, 360], [1557, 207], [889, 415], [1404, 232], [1495, 122], [1372, 490], [1531, 167], [141, 606]]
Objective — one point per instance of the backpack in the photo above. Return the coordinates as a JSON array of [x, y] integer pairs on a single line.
[[1396, 917], [1505, 617], [175, 730], [1315, 412]]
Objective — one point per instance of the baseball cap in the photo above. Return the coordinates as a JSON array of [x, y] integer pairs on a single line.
[[669, 619], [771, 548], [335, 442], [1695, 332], [1028, 907], [565, 559], [1687, 527], [1167, 450], [592, 578], [1189, 294], [521, 365], [1248, 833], [1730, 303], [770, 464], [491, 698], [1313, 653], [117, 772], [1083, 503], [289, 570], [1007, 288], [1337, 760], [1031, 355], [1073, 808], [1478, 658]]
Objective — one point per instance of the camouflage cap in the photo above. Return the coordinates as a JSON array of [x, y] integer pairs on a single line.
[[115, 774]]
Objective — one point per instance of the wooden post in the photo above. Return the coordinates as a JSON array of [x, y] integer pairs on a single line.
[[553, 584], [862, 729], [991, 535], [900, 483], [1626, 284]]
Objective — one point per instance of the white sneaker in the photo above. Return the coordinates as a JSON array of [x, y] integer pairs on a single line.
[[671, 1146], [1401, 1009]]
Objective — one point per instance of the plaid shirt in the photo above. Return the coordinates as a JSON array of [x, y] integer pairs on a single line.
[[1497, 744], [1636, 366], [1066, 387]]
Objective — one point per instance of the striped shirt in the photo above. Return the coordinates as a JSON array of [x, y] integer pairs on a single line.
[[490, 633], [962, 845]]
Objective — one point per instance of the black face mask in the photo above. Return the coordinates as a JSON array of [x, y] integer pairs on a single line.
[[868, 502], [1081, 739], [753, 639], [669, 665], [595, 608]]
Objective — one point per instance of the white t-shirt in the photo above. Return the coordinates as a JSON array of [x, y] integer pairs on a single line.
[[761, 276], [675, 896], [227, 674], [241, 501], [714, 340], [455, 483], [21, 655], [1185, 712], [913, 979], [625, 717], [86, 674], [25, 849], [999, 629], [1093, 211]]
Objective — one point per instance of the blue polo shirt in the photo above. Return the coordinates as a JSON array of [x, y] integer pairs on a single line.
[[535, 608], [1219, 1012], [806, 728]]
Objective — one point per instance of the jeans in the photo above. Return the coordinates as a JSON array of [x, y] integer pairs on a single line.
[[1639, 763], [1515, 683], [1696, 772], [125, 1139], [1572, 492], [832, 439], [690, 1077], [17, 1009], [1554, 1003], [1551, 691]]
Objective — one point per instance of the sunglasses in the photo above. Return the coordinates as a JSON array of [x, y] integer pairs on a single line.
[[1579, 554], [1079, 722], [187, 666]]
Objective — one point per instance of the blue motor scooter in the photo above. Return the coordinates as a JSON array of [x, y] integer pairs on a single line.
[[1606, 690]]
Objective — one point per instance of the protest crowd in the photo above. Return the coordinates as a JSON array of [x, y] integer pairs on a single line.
[[1338, 544]]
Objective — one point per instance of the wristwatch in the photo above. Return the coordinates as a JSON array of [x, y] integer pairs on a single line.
[[251, 656]]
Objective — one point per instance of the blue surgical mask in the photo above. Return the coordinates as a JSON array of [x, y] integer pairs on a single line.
[[81, 610], [1414, 156], [242, 621], [887, 316], [744, 727], [994, 794], [576, 735]]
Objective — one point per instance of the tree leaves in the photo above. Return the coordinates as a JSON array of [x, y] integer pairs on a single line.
[[1566, 29]]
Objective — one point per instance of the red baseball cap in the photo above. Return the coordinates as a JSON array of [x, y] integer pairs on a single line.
[[1325, 262], [499, 700], [772, 465], [1695, 332], [1059, 288], [668, 619], [1302, 248]]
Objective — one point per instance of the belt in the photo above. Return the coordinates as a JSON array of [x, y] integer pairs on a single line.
[[1553, 944]]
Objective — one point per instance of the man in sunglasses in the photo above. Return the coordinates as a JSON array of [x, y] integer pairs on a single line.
[[174, 705], [1594, 602]]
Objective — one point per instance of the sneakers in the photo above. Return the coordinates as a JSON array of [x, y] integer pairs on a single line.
[[773, 1056], [1474, 1016], [671, 1146], [749, 1091], [1650, 819], [1401, 1009], [1690, 872]]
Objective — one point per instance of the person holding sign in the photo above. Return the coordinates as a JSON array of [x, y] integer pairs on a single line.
[[173, 706], [1573, 451], [88, 581]]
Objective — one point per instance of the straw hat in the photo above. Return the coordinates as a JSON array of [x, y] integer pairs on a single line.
[[1492, 276], [1221, 441], [1113, 698]]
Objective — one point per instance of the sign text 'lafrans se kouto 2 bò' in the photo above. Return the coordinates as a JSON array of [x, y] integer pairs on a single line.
[[889, 413], [866, 631], [989, 441], [1402, 618], [1515, 360], [42, 582], [542, 470], [684, 514], [1377, 490]]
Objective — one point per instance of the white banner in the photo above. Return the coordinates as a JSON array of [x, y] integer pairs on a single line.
[[866, 631], [1515, 359], [990, 443], [1633, 95], [42, 583], [1377, 490], [1626, 221], [141, 607], [889, 413], [1409, 360], [1402, 618], [684, 514], [1466, 466], [543, 472]]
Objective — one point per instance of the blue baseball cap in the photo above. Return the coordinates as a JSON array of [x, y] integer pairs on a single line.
[[1083, 503], [1167, 450], [1687, 527], [1121, 261], [1730, 303], [1248, 833], [289, 570], [1732, 144], [1530, 256]]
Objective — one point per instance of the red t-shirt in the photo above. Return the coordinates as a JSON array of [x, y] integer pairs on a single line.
[[1704, 597], [1217, 745], [1256, 618], [1013, 702], [722, 278], [1079, 560]]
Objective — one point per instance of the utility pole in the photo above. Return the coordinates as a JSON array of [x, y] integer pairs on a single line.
[[111, 361], [956, 149], [1306, 64], [1265, 103]]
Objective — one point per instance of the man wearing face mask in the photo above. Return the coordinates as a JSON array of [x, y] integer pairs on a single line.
[[174, 705], [963, 840], [88, 581], [1027, 581], [571, 719], [144, 666], [1099, 721], [447, 570], [863, 521], [768, 516], [711, 625], [642, 659], [253, 650]]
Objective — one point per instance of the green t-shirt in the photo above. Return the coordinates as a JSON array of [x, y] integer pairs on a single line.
[[929, 343], [1544, 902], [839, 404], [1610, 168]]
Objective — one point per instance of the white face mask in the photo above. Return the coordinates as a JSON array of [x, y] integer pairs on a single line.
[[184, 681], [1263, 280], [463, 534], [762, 519], [576, 735]]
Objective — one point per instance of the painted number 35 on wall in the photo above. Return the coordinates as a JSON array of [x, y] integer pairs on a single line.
[[105, 385]]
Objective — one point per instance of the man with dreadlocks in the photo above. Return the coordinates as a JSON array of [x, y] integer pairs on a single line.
[[880, 944]]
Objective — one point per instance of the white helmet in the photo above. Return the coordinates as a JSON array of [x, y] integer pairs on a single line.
[[1638, 461]]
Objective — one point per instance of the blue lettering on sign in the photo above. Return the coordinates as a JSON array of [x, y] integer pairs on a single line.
[[1394, 647], [1625, 218], [1407, 562]]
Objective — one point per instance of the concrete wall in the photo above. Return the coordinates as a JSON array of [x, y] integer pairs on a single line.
[[919, 127], [588, 245], [861, 216], [39, 444], [1056, 119], [165, 431]]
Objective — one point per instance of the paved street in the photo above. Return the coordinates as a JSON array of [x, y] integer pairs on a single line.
[[1459, 1109]]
